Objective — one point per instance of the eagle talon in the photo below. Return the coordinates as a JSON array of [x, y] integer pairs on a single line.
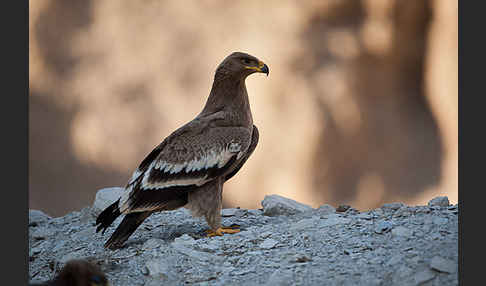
[[220, 231]]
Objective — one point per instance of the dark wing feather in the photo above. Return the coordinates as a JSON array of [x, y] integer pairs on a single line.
[[254, 141], [186, 160]]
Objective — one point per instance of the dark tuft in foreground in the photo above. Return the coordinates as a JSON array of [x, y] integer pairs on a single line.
[[77, 273]]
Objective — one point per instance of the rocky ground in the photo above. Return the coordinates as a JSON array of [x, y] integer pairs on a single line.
[[284, 243]]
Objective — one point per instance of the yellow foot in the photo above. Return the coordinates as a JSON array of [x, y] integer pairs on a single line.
[[221, 230]]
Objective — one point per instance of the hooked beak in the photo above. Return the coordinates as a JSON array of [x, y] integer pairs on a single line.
[[262, 67]]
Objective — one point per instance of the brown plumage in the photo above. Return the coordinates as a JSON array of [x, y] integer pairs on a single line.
[[190, 166], [77, 272]]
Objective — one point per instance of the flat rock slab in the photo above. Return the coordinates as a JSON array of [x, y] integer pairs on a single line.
[[274, 205], [37, 216], [439, 201], [105, 197], [443, 265]]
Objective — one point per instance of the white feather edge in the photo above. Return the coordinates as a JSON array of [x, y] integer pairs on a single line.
[[206, 162]]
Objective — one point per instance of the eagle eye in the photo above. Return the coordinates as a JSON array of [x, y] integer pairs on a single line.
[[246, 61]]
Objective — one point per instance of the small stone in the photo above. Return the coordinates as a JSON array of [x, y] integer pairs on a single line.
[[440, 220], [281, 278], [300, 258], [423, 276], [443, 265], [306, 223], [402, 211], [232, 212], [401, 231], [266, 234], [378, 212], [439, 201], [152, 243], [274, 205], [255, 212], [365, 216], [36, 217], [268, 243], [70, 256], [184, 239], [157, 268], [58, 246], [326, 209], [211, 246], [38, 249], [238, 272], [402, 276], [452, 207], [394, 260], [105, 197], [383, 226], [334, 220], [42, 233], [392, 206]]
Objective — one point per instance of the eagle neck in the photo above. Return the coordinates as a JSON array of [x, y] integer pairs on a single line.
[[230, 95]]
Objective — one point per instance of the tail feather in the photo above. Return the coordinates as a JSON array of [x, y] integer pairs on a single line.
[[107, 217], [128, 225]]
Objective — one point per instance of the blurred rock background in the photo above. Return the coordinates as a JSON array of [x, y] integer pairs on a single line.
[[360, 108]]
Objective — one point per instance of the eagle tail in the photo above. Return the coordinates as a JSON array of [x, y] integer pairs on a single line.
[[107, 217], [128, 225]]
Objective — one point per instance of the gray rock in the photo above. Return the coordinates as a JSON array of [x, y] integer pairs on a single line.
[[232, 212], [268, 243], [266, 234], [105, 197], [255, 212], [152, 243], [37, 216], [38, 249], [306, 223], [185, 245], [274, 205], [392, 206], [439, 201], [378, 212], [70, 256], [403, 275], [41, 233], [443, 265], [440, 220], [326, 209], [394, 260], [365, 216], [185, 240], [157, 268], [402, 231], [423, 276], [280, 278], [403, 211], [334, 220], [300, 258], [212, 245], [383, 226]]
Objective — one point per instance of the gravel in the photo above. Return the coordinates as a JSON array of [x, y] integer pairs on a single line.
[[286, 243]]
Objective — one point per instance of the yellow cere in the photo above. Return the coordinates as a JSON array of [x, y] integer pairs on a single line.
[[259, 68]]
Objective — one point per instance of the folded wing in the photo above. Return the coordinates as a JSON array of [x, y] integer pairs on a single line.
[[185, 160]]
